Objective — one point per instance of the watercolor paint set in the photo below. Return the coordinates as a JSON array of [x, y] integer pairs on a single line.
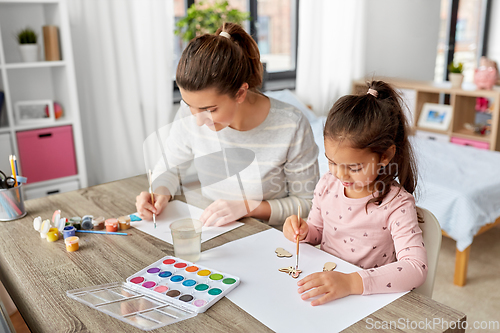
[[165, 292]]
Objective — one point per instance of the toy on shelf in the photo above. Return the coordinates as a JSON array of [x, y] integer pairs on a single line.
[[486, 74]]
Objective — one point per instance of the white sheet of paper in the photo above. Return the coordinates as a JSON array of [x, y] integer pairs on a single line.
[[176, 210], [271, 296]]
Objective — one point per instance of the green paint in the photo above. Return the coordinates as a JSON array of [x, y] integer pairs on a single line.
[[201, 287], [216, 277], [229, 281], [214, 291]]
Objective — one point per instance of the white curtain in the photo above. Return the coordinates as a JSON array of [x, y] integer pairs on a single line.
[[123, 53], [330, 50]]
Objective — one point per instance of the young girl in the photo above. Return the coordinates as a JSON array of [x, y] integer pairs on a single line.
[[218, 76], [360, 213]]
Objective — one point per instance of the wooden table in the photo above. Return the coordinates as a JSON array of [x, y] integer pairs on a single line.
[[37, 273]]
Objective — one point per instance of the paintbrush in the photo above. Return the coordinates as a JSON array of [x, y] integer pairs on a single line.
[[152, 196], [297, 258]]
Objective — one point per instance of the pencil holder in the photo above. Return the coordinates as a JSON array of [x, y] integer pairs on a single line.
[[12, 203]]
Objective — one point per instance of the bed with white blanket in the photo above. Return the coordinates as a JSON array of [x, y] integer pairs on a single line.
[[460, 185]]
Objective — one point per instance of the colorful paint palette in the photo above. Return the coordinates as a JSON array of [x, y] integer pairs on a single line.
[[184, 283], [165, 292]]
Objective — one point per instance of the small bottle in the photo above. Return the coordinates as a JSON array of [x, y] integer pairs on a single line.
[[87, 222], [124, 222], [111, 225], [52, 235], [98, 223], [72, 244], [76, 222], [69, 231]]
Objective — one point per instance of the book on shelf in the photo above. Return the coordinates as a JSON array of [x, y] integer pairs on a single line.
[[51, 43]]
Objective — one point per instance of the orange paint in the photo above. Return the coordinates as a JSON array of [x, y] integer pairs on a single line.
[[191, 269], [72, 244], [111, 225]]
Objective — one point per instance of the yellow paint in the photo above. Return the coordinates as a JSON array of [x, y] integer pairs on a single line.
[[52, 236], [204, 272]]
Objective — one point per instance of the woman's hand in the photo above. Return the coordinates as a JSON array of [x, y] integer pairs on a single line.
[[332, 285], [222, 212], [145, 207], [294, 226]]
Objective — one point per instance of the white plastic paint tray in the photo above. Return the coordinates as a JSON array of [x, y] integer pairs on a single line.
[[165, 292]]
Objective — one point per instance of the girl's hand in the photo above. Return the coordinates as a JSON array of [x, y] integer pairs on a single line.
[[293, 227], [332, 285], [222, 212], [145, 207]]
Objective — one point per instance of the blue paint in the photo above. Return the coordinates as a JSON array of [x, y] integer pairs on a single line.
[[189, 283], [69, 231], [177, 278], [134, 218], [165, 274]]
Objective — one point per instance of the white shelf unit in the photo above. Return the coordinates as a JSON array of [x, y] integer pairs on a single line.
[[41, 80]]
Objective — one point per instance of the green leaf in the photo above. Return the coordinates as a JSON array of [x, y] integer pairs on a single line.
[[202, 18], [26, 36]]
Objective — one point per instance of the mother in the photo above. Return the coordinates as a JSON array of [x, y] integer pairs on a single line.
[[218, 76]]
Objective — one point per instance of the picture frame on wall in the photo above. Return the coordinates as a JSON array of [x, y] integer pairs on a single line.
[[435, 116], [30, 112]]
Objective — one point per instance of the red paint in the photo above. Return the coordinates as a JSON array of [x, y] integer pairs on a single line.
[[180, 265], [137, 279], [168, 261]]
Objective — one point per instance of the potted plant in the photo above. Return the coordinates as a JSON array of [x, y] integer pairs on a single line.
[[28, 47], [203, 18], [455, 74]]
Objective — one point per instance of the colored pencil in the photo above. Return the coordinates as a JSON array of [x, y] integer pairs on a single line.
[[15, 165], [11, 160], [102, 232]]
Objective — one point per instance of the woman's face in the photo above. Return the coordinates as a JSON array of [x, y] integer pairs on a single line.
[[212, 109]]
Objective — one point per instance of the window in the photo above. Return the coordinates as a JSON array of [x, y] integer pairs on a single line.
[[273, 24], [179, 45], [462, 37]]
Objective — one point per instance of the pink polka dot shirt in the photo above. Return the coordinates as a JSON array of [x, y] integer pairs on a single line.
[[386, 241]]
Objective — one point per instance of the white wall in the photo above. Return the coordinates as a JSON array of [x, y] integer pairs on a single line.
[[401, 38], [493, 51]]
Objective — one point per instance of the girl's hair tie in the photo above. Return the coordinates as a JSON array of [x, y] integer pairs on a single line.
[[225, 34], [371, 91]]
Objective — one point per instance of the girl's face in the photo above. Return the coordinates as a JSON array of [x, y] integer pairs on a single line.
[[357, 169], [212, 109]]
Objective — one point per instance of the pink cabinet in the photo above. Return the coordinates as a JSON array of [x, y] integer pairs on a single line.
[[469, 142], [46, 153]]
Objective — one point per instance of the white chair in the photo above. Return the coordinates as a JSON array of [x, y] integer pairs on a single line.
[[431, 232]]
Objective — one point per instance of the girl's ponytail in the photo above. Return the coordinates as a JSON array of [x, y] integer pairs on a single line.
[[376, 120]]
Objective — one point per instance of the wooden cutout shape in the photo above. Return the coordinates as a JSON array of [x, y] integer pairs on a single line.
[[291, 271], [329, 266], [282, 253]]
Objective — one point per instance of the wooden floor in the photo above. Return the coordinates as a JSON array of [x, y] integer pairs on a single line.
[[18, 323]]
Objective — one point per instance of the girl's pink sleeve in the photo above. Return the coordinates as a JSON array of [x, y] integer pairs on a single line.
[[315, 220], [410, 269]]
